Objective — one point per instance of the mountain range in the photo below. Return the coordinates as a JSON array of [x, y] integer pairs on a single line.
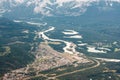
[[35, 8]]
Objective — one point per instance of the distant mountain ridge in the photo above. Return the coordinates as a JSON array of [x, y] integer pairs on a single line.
[[29, 8]]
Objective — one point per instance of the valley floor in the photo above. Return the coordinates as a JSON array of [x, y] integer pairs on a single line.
[[48, 59]]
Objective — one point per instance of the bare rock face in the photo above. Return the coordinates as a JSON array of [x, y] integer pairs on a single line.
[[46, 59]]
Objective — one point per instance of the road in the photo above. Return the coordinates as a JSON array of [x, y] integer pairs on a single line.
[[68, 73]]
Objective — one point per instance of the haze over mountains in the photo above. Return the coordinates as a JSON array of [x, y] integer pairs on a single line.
[[35, 8]]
